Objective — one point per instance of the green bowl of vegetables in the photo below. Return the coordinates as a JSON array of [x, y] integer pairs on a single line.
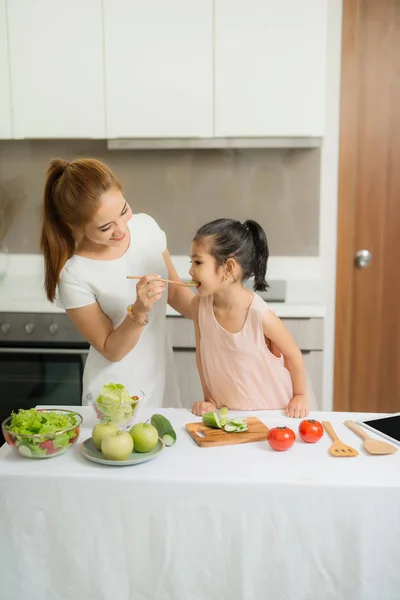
[[116, 405], [41, 433]]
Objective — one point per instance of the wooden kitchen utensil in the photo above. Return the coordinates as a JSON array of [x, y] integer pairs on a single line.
[[338, 448], [207, 437], [188, 284], [371, 445]]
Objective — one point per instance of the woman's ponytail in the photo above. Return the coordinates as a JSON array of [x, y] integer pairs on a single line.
[[71, 197], [261, 254], [57, 241]]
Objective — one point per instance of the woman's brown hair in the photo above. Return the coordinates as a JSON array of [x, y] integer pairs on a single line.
[[71, 197]]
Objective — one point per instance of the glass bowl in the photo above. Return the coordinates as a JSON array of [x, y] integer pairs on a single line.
[[123, 414], [43, 445]]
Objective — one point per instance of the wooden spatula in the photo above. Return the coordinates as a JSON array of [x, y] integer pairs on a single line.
[[371, 445], [338, 448]]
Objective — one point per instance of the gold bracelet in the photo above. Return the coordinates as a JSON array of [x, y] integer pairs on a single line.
[[130, 312]]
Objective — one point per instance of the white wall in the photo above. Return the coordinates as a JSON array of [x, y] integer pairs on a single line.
[[329, 192]]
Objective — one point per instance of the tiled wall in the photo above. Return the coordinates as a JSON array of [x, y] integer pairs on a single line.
[[180, 189]]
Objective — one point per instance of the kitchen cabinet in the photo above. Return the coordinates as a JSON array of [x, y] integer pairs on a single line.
[[159, 68], [56, 61], [5, 97], [270, 67], [307, 332]]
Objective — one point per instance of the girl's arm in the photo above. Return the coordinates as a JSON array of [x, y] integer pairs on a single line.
[[179, 297], [276, 331], [208, 403], [97, 329]]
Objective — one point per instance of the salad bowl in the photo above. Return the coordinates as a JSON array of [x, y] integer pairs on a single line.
[[116, 405], [42, 433]]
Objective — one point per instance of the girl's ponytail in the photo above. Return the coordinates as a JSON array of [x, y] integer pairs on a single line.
[[261, 254], [57, 241]]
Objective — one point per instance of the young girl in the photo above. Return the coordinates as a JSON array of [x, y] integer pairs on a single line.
[[247, 359]]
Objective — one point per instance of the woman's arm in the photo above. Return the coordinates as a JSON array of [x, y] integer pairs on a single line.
[[276, 331], [97, 329], [179, 297], [208, 403]]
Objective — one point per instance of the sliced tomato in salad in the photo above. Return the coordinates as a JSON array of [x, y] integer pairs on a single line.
[[72, 440], [9, 439], [48, 446]]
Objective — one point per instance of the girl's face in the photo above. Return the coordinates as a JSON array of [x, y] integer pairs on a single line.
[[204, 270], [109, 225]]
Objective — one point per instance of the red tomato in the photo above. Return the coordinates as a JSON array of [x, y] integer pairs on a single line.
[[311, 431], [281, 438], [9, 439], [72, 440], [48, 446]]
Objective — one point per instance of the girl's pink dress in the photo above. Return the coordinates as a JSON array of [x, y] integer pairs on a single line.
[[239, 369]]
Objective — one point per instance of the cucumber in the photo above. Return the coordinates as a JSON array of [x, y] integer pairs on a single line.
[[165, 430], [212, 420], [237, 421], [235, 427], [230, 428]]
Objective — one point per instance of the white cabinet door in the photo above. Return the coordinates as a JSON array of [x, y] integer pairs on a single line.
[[190, 389], [159, 68], [57, 74], [5, 104], [314, 365], [270, 67]]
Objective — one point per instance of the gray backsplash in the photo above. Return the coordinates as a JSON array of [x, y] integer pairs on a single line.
[[181, 189]]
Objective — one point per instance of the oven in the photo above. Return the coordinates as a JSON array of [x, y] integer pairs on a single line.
[[42, 357]]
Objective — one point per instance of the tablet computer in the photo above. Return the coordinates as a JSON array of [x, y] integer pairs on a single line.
[[387, 427]]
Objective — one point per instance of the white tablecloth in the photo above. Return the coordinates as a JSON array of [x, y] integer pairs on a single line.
[[237, 522]]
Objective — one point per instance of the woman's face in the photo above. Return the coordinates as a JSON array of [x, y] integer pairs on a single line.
[[109, 225]]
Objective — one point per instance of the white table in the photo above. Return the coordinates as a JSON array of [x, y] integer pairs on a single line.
[[236, 522]]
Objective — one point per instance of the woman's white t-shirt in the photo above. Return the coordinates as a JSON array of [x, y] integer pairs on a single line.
[[84, 281]]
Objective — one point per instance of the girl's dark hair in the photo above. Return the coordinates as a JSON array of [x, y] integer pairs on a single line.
[[245, 242], [71, 196]]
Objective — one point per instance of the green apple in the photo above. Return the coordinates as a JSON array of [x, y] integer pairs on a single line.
[[145, 437], [100, 431], [117, 445]]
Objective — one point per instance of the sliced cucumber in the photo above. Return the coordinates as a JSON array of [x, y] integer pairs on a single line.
[[168, 439], [229, 428], [165, 430], [237, 421], [212, 420], [25, 451]]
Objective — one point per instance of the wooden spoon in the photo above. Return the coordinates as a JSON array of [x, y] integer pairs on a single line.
[[371, 445], [338, 448], [187, 284]]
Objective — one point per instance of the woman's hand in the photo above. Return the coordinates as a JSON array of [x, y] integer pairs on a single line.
[[149, 289], [297, 407], [199, 408]]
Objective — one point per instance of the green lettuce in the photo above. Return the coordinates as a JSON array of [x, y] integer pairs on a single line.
[[47, 424], [115, 403], [32, 421]]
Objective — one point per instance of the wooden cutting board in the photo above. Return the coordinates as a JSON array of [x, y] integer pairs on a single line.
[[257, 432]]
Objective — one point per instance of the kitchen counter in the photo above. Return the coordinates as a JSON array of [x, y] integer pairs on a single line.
[[227, 522], [24, 294]]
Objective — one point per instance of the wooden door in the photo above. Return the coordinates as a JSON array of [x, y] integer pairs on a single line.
[[367, 344]]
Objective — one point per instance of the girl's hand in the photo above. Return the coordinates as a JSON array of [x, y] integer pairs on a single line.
[[149, 289], [199, 408], [297, 407]]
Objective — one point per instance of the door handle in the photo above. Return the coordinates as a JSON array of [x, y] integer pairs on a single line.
[[362, 259]]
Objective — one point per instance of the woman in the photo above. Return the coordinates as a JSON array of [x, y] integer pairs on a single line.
[[91, 242]]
